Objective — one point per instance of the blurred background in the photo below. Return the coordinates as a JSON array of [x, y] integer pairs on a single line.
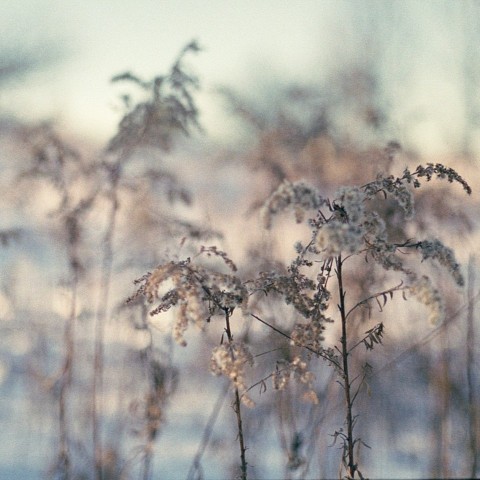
[[212, 105]]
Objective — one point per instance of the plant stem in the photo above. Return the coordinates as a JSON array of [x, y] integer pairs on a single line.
[[349, 457], [65, 383], [101, 317], [69, 345], [240, 435], [472, 405], [237, 404]]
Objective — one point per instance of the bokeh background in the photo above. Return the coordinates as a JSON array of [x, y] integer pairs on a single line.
[[312, 90]]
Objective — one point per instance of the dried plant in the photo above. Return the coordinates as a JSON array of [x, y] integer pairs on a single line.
[[360, 250], [165, 111], [348, 226], [82, 194], [198, 293], [55, 162], [351, 225]]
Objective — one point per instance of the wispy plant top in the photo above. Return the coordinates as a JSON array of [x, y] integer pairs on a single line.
[[352, 223], [166, 106]]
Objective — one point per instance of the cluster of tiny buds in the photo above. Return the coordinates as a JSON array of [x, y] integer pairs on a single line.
[[444, 256], [309, 334], [299, 197], [229, 359], [426, 293], [298, 369], [197, 293]]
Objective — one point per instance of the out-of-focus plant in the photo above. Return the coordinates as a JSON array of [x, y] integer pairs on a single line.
[[164, 110], [56, 164], [129, 184]]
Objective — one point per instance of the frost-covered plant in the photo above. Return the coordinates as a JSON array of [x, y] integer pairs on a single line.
[[349, 225], [197, 293]]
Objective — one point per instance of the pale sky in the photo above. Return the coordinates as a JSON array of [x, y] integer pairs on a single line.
[[420, 53]]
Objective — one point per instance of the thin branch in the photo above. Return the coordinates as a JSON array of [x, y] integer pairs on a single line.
[[376, 295], [320, 354], [359, 387], [427, 338], [260, 382], [207, 432], [374, 334], [267, 352]]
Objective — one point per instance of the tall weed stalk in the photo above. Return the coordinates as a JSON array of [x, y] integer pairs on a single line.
[[54, 162], [165, 110]]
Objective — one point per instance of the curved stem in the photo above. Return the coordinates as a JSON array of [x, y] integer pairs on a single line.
[[207, 432], [376, 295]]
